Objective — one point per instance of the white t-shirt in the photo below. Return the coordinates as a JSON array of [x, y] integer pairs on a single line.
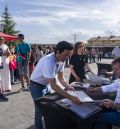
[[116, 51], [47, 67], [113, 87]]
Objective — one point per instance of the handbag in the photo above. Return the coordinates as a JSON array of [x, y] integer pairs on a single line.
[[12, 65]]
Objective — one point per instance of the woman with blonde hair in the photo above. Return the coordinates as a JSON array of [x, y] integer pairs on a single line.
[[78, 63]]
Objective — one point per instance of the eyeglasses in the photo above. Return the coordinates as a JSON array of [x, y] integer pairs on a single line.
[[116, 69]]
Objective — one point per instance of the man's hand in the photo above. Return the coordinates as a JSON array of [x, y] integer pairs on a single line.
[[75, 100], [70, 88], [107, 103]]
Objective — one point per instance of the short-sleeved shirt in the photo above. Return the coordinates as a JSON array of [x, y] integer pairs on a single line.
[[22, 48], [46, 68], [78, 62], [113, 87]]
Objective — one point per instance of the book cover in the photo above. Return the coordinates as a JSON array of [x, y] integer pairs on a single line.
[[85, 109]]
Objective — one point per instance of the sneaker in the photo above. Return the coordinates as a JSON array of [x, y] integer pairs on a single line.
[[21, 89], [3, 98]]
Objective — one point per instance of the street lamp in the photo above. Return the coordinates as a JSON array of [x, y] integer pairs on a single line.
[[75, 37]]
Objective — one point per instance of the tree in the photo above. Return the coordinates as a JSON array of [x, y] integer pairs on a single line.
[[8, 22]]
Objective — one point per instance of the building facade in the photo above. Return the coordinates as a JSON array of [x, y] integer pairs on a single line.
[[104, 44]]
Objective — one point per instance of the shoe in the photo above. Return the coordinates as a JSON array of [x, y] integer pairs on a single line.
[[21, 89], [7, 91], [3, 98], [27, 89]]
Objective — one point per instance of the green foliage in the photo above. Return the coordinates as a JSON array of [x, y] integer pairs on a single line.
[[8, 23]]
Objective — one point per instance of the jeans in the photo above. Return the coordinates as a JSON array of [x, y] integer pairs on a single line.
[[38, 91], [107, 119], [12, 75]]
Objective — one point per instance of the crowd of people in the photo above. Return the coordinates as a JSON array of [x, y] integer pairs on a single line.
[[17, 64], [39, 68]]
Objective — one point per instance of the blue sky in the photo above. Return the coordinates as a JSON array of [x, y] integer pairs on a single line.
[[50, 21]]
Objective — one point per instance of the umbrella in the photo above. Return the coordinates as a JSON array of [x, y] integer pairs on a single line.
[[8, 37]]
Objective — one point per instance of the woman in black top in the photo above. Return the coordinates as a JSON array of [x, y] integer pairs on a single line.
[[78, 63]]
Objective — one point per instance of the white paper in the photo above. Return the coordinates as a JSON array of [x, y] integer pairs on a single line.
[[82, 96]]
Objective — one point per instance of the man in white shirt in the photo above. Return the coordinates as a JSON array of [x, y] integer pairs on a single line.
[[110, 117], [44, 74], [116, 52]]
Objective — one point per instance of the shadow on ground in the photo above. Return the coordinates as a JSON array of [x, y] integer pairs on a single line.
[[31, 127], [11, 93]]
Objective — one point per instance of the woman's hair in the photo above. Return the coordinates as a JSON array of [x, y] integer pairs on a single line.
[[77, 46]]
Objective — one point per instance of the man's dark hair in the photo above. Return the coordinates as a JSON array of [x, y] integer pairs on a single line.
[[63, 45], [115, 61], [20, 36]]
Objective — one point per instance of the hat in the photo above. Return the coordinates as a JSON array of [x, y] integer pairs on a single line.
[[1, 38]]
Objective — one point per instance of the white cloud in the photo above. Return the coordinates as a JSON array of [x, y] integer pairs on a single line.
[[61, 18]]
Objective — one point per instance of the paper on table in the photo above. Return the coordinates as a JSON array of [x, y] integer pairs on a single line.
[[80, 84], [82, 96]]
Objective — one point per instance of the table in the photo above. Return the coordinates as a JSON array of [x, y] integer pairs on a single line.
[[57, 117]]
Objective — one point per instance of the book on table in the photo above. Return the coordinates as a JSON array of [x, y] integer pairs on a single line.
[[85, 109]]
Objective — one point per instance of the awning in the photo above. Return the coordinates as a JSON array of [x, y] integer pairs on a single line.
[[8, 37]]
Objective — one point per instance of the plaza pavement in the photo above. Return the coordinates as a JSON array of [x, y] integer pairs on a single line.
[[18, 112]]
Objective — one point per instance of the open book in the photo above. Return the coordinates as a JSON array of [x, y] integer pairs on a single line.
[[85, 109]]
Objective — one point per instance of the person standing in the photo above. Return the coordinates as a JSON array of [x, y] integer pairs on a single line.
[[4, 71], [78, 63], [116, 52], [45, 74], [12, 64], [23, 52]]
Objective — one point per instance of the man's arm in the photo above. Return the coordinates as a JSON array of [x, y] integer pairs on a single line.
[[63, 81], [110, 104], [60, 91], [95, 90], [29, 54]]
